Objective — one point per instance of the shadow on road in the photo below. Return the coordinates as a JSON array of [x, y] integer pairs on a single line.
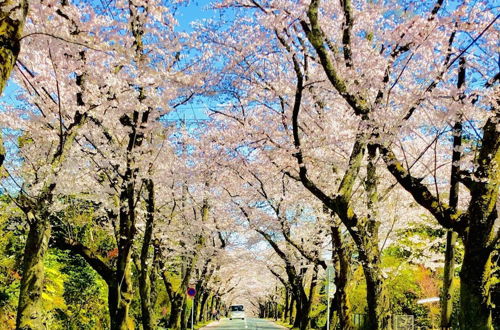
[[249, 324]]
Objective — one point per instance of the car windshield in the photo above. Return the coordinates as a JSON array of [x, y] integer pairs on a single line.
[[237, 308]]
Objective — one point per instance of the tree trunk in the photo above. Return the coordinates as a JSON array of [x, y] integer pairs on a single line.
[[298, 313], [185, 316], [341, 300], [285, 312], [112, 303], [308, 302], [11, 29], [125, 292], [123, 267], [475, 282], [378, 302], [378, 305], [481, 238], [446, 300], [177, 318], [293, 302], [147, 316], [376, 295], [176, 307], [204, 298], [211, 307], [451, 236], [29, 311]]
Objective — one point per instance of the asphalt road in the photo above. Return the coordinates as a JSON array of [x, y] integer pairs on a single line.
[[250, 324]]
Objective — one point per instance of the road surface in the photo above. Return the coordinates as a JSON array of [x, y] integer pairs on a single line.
[[249, 323]]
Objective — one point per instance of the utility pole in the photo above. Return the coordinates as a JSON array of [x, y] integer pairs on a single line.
[[192, 315], [191, 292], [328, 299], [331, 288]]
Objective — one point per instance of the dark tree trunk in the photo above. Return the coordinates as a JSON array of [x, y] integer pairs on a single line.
[[308, 301], [112, 303], [299, 309], [451, 236], [176, 306], [342, 259], [286, 307], [147, 316], [211, 307], [203, 303], [476, 226], [475, 282], [123, 267], [293, 310], [446, 299]]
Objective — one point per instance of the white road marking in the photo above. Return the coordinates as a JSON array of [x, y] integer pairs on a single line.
[[246, 326]]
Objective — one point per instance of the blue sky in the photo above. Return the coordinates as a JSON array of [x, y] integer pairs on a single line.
[[194, 10]]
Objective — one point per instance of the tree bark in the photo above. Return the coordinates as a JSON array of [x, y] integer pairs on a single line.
[[363, 231], [308, 303], [11, 30], [285, 312], [298, 313], [446, 301], [203, 303], [12, 17], [342, 260], [176, 301], [378, 305], [481, 238], [378, 302], [177, 305], [302, 312], [37, 211], [147, 316], [113, 303], [123, 266], [30, 312], [475, 281]]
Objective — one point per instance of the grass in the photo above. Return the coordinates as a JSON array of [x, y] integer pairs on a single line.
[[283, 324], [200, 325]]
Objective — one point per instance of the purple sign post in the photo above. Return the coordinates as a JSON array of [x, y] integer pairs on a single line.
[[192, 292]]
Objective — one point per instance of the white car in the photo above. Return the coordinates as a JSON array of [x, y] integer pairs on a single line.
[[236, 312]]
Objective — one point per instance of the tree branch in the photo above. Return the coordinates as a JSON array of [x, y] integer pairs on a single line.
[[445, 215]]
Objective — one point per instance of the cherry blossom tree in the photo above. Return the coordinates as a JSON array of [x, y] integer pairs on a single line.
[[338, 131], [50, 127], [103, 79], [377, 65]]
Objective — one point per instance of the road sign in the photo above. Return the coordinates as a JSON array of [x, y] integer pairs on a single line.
[[191, 292]]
